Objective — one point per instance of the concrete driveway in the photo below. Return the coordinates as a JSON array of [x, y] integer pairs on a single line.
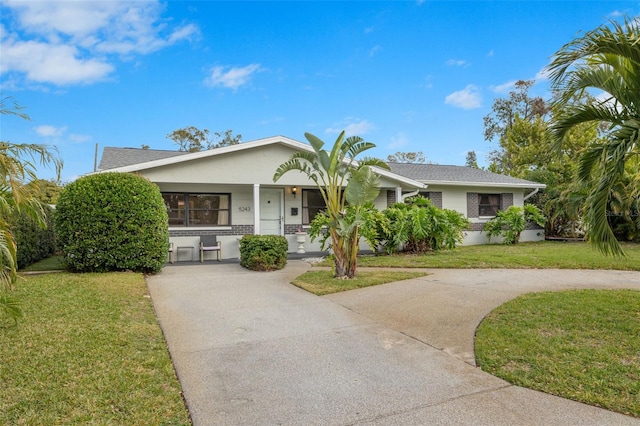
[[250, 349]]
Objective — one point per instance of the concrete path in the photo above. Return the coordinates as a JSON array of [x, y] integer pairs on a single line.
[[250, 349]]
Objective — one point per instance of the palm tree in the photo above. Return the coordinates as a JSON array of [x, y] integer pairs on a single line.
[[18, 164], [341, 180], [606, 59]]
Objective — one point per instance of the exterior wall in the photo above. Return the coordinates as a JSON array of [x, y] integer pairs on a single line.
[[241, 217], [237, 172], [465, 201]]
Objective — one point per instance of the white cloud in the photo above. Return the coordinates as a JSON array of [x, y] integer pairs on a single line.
[[504, 87], [468, 98], [352, 127], [78, 42], [48, 131], [457, 63], [75, 138], [374, 50], [542, 75], [399, 140], [427, 82], [233, 77], [490, 53], [57, 64]]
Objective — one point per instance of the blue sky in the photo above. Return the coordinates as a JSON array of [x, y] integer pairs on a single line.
[[405, 75]]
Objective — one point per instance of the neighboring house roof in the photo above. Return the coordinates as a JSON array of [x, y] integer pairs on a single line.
[[435, 174]]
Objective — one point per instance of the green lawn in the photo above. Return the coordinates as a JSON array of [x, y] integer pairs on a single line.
[[544, 254], [582, 345], [53, 263], [89, 351], [322, 282]]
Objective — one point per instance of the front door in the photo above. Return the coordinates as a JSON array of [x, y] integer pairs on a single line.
[[271, 220]]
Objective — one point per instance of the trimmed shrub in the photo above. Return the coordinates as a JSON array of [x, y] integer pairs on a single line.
[[112, 222], [33, 242], [263, 252]]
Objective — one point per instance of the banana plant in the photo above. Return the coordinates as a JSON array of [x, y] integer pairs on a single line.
[[342, 181]]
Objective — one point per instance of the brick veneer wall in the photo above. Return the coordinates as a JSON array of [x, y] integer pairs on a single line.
[[235, 230], [291, 229]]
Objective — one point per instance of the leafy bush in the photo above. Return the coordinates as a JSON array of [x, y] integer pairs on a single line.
[[418, 226], [510, 223], [33, 241], [368, 219], [112, 222], [263, 252]]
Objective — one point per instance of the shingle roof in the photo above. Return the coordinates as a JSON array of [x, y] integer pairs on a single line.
[[438, 174], [425, 173], [119, 157]]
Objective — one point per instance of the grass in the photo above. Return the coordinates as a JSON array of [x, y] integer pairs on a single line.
[[542, 255], [582, 345], [322, 282], [53, 263], [89, 351]]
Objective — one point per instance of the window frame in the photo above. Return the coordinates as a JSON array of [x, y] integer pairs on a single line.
[[492, 206], [184, 199], [305, 205]]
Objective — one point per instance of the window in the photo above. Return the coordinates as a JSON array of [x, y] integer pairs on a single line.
[[488, 204], [312, 204], [198, 209]]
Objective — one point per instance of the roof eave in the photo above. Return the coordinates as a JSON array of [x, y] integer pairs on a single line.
[[528, 185]]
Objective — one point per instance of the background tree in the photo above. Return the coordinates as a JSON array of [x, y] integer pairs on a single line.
[[46, 190], [192, 139], [605, 60], [407, 157], [527, 152], [340, 179], [471, 160], [227, 138], [504, 114], [18, 167]]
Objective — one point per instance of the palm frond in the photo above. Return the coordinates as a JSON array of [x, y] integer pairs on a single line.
[[11, 307]]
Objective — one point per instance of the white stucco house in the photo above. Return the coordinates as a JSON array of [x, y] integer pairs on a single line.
[[229, 192]]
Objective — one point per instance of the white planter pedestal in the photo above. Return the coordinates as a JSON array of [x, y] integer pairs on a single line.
[[301, 238]]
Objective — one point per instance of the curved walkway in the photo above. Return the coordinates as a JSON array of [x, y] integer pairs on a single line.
[[251, 349]]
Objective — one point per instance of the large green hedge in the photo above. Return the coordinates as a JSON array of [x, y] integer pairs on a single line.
[[33, 241], [112, 222]]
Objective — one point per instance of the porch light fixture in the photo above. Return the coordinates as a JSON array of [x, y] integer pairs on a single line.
[[294, 191]]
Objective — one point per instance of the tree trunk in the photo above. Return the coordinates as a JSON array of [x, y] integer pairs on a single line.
[[339, 255], [352, 255]]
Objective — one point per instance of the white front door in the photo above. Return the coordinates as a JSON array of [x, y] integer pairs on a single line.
[[271, 220]]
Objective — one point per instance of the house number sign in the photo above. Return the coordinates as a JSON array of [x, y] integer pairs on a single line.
[[244, 209]]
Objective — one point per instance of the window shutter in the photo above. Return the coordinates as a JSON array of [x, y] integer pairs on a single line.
[[506, 201], [472, 204]]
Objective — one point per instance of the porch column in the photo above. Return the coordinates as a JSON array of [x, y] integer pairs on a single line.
[[398, 194], [256, 209]]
